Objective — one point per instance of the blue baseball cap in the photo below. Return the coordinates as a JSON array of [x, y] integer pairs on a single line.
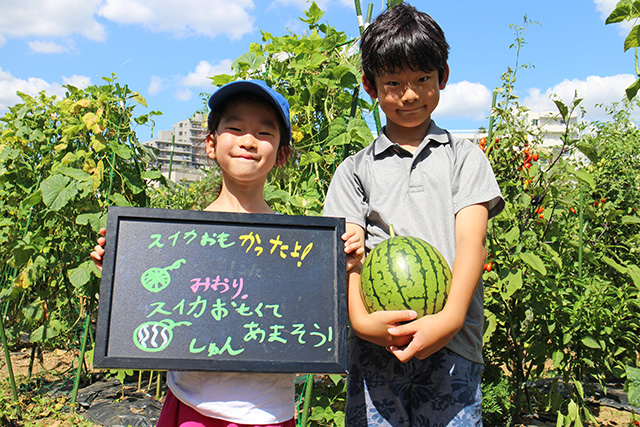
[[256, 87]]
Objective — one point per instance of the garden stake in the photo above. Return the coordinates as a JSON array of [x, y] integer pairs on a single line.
[[83, 347], [159, 386]]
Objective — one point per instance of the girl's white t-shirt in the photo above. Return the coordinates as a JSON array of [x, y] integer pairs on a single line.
[[244, 398]]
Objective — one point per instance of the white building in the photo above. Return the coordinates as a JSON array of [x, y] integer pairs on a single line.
[[180, 151], [549, 123]]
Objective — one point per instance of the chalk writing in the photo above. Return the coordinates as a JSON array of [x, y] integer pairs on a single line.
[[220, 291], [156, 279]]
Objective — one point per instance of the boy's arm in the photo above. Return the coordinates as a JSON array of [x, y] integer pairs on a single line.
[[372, 327], [431, 333]]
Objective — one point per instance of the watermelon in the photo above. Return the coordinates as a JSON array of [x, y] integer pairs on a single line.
[[405, 273]]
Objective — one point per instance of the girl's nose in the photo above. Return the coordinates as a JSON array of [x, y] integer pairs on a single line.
[[247, 141]]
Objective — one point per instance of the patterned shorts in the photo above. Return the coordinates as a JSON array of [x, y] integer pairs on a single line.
[[442, 390]]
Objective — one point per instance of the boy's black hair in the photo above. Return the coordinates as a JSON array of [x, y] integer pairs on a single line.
[[215, 116], [400, 38]]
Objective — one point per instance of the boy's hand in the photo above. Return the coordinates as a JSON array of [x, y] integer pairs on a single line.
[[354, 247], [98, 251], [374, 327], [429, 334]]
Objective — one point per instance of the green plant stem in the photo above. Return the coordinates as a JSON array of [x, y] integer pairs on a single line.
[[7, 357], [307, 400], [580, 231]]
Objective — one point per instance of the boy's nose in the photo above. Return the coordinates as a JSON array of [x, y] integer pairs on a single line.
[[409, 94]]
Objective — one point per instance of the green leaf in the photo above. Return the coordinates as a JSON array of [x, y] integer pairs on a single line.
[[77, 174], [32, 199], [627, 219], [588, 150], [625, 10], [633, 39], [634, 272], [89, 218], [533, 261], [57, 191], [591, 343], [80, 275], [341, 139], [139, 99], [632, 90], [514, 283], [617, 266], [582, 176]]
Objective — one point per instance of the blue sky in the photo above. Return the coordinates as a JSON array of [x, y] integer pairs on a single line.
[[165, 49]]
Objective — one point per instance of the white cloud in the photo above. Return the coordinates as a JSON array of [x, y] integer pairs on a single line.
[[199, 77], [40, 46], [465, 100], [9, 85], [593, 91], [207, 17], [156, 85], [183, 94], [46, 18]]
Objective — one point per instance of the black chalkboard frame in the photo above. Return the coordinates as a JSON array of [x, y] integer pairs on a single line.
[[327, 225]]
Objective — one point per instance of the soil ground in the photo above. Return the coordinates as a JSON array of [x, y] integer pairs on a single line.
[[56, 364]]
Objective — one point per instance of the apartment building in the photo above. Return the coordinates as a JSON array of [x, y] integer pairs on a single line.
[[180, 151]]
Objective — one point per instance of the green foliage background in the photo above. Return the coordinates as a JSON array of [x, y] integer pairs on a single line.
[[562, 293]]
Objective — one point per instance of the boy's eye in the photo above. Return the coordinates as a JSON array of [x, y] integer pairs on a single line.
[[392, 83], [423, 79]]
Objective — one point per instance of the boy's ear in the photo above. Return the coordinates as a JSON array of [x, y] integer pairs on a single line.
[[210, 146], [283, 155], [369, 87], [445, 77]]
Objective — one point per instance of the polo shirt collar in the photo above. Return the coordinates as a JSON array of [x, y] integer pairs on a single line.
[[435, 133]]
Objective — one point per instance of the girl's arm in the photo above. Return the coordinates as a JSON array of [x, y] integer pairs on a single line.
[[98, 251], [431, 333]]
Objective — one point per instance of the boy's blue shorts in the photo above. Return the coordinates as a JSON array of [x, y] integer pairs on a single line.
[[442, 390]]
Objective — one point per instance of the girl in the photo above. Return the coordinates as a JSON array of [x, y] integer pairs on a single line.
[[249, 134]]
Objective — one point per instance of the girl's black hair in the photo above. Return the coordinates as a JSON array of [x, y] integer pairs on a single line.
[[403, 38], [216, 115]]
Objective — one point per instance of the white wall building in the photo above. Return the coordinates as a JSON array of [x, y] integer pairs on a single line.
[[550, 124], [180, 151]]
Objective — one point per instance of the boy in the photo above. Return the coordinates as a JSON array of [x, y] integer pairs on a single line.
[[427, 184]]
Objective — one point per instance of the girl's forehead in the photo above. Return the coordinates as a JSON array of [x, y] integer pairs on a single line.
[[241, 109]]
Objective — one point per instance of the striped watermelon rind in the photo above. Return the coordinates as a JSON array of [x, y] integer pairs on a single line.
[[405, 273]]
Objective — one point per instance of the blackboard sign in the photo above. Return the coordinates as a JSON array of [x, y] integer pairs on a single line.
[[194, 290]]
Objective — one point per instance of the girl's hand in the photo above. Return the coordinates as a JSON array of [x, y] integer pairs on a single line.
[[98, 251], [354, 248]]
